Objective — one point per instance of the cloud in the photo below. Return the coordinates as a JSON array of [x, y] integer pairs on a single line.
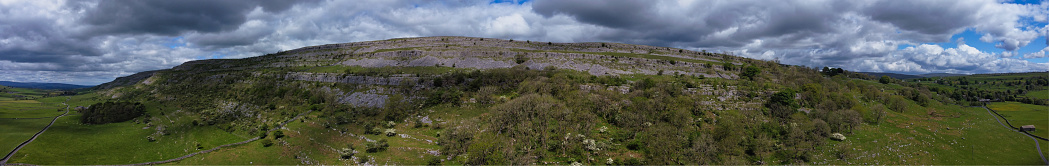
[[164, 17], [1040, 54], [96, 41]]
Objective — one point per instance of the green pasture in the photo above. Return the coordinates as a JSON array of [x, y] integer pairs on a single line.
[[1020, 114]]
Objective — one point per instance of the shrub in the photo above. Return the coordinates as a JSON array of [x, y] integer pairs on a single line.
[[390, 132], [520, 58], [433, 160], [377, 146], [456, 140], [885, 80], [267, 142], [750, 72], [278, 134], [782, 103], [346, 153], [362, 160]]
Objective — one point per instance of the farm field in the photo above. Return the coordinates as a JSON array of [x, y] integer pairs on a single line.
[[21, 119], [15, 131], [1020, 114], [969, 136], [114, 143], [1039, 94]]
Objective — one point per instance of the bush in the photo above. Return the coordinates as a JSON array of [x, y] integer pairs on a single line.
[[362, 160], [278, 134], [456, 140], [267, 142], [346, 153], [450, 96], [433, 160], [782, 104], [885, 80], [520, 58], [377, 146], [390, 132], [750, 71]]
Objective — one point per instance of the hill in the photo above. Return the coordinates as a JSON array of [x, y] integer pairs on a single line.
[[941, 75], [34, 85], [483, 101], [906, 76]]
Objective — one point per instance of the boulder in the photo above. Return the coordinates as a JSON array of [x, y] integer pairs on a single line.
[[837, 136]]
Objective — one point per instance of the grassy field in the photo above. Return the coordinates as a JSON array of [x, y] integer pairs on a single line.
[[308, 142], [16, 131], [29, 109], [965, 135], [1025, 114], [1039, 94], [114, 143], [14, 93]]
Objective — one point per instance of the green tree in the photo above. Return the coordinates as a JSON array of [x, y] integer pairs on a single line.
[[782, 104], [885, 80], [750, 71]]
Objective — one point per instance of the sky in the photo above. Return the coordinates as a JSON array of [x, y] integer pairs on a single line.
[[88, 42]]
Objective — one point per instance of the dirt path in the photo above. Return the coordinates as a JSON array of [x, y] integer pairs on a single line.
[[1036, 145], [4, 161]]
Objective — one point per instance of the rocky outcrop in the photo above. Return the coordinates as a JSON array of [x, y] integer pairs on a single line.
[[349, 79], [126, 80]]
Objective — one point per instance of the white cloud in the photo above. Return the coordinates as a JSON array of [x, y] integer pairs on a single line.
[[49, 37], [1040, 54]]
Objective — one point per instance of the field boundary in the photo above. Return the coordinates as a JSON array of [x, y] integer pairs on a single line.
[[1036, 144], [29, 118], [19, 147], [1014, 127]]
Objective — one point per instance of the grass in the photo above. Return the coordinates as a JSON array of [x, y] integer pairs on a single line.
[[29, 109], [1020, 114], [16, 131], [114, 143], [1039, 94], [973, 137], [309, 142]]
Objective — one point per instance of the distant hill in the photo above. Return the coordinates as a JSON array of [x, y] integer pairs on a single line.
[[941, 75], [36, 85], [906, 76], [893, 75]]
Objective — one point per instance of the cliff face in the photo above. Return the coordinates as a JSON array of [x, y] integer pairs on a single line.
[[127, 80], [412, 63]]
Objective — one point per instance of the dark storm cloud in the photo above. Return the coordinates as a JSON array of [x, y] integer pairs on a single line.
[[698, 23], [929, 17], [34, 40], [164, 17], [618, 13]]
